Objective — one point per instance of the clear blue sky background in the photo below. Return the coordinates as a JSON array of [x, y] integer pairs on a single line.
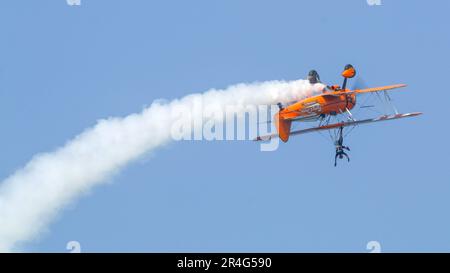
[[63, 67]]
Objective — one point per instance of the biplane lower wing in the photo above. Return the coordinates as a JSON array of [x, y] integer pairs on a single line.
[[353, 123], [343, 124]]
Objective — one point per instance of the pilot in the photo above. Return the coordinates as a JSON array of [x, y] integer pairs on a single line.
[[313, 77]]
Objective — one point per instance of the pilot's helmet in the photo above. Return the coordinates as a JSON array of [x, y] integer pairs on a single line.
[[313, 77]]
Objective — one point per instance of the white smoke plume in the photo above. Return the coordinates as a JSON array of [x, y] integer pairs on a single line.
[[32, 196]]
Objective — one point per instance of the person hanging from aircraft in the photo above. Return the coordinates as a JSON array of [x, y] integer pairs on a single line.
[[340, 147]]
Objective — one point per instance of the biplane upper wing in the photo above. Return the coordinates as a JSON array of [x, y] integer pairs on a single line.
[[342, 124], [378, 89], [367, 90]]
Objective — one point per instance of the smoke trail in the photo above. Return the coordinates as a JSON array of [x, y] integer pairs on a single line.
[[32, 196]]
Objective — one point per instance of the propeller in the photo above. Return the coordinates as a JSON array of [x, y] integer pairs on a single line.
[[359, 83]]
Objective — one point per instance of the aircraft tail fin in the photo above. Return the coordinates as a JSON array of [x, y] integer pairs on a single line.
[[283, 127]]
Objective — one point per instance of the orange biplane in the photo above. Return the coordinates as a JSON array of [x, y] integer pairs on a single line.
[[332, 109]]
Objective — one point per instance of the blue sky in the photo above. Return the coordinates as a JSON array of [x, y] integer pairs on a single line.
[[62, 68]]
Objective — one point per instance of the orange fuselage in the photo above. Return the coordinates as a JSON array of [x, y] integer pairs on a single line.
[[312, 108], [318, 105]]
